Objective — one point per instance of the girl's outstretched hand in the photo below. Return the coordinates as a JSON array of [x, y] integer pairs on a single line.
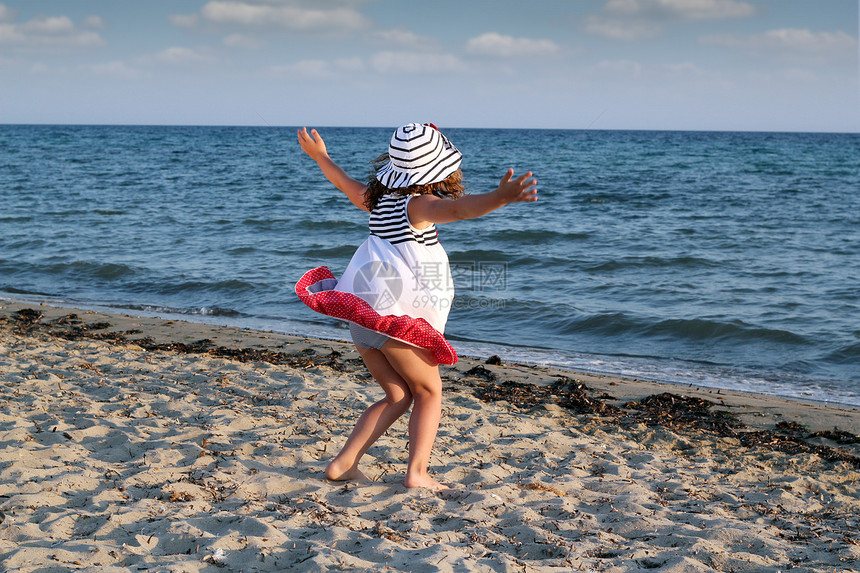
[[312, 144], [426, 209], [521, 189]]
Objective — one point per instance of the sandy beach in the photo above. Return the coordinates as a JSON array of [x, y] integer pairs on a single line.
[[131, 444]]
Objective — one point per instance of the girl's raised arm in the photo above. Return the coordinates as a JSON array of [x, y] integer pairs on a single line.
[[426, 209], [312, 144]]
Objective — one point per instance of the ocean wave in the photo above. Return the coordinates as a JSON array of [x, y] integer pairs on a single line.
[[735, 331], [64, 213], [536, 236], [240, 250], [24, 244], [317, 252], [88, 269], [775, 169], [474, 255], [553, 320], [197, 311], [652, 262], [231, 286], [330, 225], [849, 354], [267, 224], [698, 329], [27, 292]]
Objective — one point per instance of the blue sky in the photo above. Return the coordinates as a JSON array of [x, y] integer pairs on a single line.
[[783, 65]]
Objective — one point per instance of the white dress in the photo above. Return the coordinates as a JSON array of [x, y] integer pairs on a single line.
[[398, 282]]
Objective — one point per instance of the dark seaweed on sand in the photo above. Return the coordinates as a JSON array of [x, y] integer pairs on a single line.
[[679, 413], [683, 412], [839, 436], [71, 327], [481, 372], [565, 392], [26, 319]]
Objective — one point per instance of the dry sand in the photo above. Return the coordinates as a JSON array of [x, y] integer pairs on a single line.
[[126, 453]]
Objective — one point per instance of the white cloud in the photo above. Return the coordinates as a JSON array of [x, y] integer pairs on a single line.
[[48, 25], [493, 44], [684, 69], [617, 68], [184, 20], [242, 41], [178, 56], [349, 65], [681, 9], [115, 69], [5, 13], [627, 31], [416, 63], [406, 39], [51, 33], [631, 20], [93, 22], [789, 39], [319, 69], [289, 17], [9, 34]]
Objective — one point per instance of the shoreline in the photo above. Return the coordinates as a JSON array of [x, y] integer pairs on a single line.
[[131, 442], [125, 315], [181, 330]]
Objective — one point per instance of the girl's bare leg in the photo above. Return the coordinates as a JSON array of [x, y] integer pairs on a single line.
[[417, 367], [375, 420]]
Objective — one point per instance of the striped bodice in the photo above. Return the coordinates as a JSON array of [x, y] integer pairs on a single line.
[[388, 221]]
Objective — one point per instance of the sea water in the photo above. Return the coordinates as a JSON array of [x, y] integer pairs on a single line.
[[727, 260]]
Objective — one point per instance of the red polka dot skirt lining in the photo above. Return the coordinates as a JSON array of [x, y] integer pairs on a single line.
[[347, 306]]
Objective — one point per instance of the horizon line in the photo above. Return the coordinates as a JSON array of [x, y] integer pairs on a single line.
[[270, 126]]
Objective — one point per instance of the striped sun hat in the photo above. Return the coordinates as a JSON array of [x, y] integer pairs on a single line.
[[418, 155]]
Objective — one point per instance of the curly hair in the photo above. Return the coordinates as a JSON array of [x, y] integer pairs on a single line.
[[452, 187]]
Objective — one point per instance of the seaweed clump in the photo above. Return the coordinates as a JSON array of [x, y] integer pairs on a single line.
[[684, 413], [26, 319], [72, 327], [565, 392], [691, 413]]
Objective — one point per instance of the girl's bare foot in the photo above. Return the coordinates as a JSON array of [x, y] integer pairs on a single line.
[[336, 473], [424, 481]]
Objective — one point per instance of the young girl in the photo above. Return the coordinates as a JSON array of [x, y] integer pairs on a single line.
[[397, 289]]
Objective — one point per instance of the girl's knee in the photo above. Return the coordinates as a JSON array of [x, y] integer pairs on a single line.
[[399, 399], [426, 388]]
